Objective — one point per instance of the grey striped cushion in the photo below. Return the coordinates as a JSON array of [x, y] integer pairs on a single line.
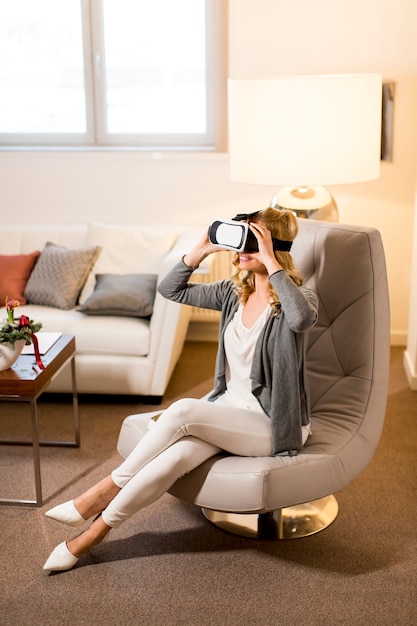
[[59, 275]]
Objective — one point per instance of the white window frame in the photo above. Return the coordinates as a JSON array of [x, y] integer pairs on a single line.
[[96, 135]]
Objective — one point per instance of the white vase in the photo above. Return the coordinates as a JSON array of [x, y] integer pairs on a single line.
[[10, 353]]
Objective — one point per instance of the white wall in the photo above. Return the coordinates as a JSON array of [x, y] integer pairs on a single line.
[[266, 37]]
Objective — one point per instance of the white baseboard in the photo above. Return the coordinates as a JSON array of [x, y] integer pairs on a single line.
[[410, 371]]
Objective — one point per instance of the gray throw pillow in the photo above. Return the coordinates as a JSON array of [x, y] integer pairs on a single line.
[[59, 275], [127, 295]]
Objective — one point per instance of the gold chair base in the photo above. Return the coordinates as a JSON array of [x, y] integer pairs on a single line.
[[291, 522]]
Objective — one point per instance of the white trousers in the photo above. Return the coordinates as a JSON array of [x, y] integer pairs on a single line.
[[186, 434]]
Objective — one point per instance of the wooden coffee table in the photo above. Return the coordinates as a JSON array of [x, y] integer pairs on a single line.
[[25, 382]]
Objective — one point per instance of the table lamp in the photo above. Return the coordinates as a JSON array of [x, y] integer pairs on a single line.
[[301, 132]]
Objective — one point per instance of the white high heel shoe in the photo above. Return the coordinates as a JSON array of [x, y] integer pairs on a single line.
[[66, 513], [60, 559]]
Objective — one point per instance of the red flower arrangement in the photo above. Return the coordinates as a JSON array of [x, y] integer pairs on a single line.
[[12, 330]]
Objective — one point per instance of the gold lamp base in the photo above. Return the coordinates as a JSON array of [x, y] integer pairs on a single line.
[[307, 202], [291, 522]]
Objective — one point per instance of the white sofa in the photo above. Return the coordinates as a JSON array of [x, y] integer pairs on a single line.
[[115, 354]]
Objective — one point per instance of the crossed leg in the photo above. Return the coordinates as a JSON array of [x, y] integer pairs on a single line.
[[187, 433], [145, 487]]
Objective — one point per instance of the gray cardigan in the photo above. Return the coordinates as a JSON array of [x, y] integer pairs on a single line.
[[278, 373]]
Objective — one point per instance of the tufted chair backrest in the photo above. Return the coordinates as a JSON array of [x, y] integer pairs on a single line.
[[348, 349]]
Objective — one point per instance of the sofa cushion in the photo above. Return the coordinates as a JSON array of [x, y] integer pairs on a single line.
[[129, 295], [93, 335], [59, 275], [127, 250], [15, 270]]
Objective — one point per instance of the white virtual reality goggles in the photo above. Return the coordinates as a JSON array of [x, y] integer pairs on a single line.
[[236, 235]]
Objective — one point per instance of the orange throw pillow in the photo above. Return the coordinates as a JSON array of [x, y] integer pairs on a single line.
[[15, 270]]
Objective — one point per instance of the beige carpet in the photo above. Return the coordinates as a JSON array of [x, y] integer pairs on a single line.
[[168, 566]]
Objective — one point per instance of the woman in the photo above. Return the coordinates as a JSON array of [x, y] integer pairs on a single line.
[[260, 403]]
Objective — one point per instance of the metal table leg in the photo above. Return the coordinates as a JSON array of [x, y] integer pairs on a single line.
[[36, 443], [75, 404], [36, 455]]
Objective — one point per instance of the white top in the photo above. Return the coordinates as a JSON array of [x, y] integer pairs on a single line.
[[239, 343]]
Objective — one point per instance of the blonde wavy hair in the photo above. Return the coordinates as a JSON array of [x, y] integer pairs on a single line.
[[283, 225]]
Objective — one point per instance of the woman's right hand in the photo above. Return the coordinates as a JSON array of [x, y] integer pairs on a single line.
[[200, 251]]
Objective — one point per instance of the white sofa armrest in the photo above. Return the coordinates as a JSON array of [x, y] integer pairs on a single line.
[[169, 322]]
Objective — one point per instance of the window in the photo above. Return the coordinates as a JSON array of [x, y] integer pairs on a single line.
[[112, 73]]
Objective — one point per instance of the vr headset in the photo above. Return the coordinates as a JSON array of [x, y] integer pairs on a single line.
[[236, 235]]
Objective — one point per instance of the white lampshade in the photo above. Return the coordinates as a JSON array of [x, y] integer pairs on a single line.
[[305, 130]]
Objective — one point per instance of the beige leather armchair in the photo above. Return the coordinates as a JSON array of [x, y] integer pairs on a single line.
[[348, 366]]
